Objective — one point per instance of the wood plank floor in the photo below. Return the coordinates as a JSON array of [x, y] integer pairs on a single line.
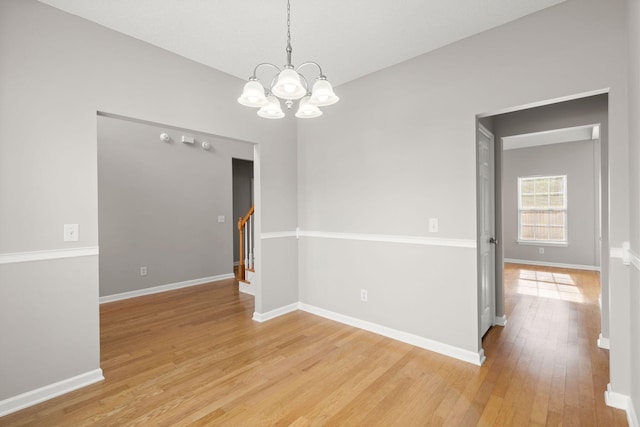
[[195, 357]]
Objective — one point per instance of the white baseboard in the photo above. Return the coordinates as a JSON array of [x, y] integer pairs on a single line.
[[263, 317], [164, 288], [246, 288], [603, 342], [624, 402], [481, 358], [33, 397], [431, 345], [500, 320], [552, 264]]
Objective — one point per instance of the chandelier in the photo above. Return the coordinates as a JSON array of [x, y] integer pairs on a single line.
[[289, 85]]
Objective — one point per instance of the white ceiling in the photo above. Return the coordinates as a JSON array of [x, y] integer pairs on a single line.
[[348, 38], [555, 136]]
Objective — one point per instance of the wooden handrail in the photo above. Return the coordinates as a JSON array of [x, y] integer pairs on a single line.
[[246, 217], [242, 222]]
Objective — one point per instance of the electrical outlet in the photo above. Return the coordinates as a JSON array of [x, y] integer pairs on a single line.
[[364, 295], [540, 250], [143, 271]]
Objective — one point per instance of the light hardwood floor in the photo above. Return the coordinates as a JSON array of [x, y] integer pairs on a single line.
[[195, 357]]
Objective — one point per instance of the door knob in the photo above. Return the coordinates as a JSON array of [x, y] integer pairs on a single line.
[[494, 241]]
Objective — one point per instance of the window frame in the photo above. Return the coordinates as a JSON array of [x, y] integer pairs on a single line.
[[564, 209]]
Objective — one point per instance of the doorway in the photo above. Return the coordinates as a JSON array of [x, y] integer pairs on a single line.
[[582, 113], [165, 206], [243, 200]]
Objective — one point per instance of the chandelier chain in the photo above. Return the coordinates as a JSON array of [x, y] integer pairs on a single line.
[[289, 50], [288, 22]]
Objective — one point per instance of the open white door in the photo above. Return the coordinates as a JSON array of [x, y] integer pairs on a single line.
[[486, 224]]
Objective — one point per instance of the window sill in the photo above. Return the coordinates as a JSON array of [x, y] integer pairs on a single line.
[[542, 243]]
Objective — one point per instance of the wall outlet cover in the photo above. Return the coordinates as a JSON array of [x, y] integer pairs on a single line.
[[70, 233], [433, 225]]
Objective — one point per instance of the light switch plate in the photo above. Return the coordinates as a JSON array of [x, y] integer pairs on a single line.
[[71, 232], [433, 225], [220, 218]]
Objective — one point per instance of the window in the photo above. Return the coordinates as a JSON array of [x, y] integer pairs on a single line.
[[542, 209]]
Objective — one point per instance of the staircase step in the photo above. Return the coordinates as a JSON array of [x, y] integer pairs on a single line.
[[245, 287]]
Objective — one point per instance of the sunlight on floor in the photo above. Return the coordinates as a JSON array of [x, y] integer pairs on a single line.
[[545, 284]]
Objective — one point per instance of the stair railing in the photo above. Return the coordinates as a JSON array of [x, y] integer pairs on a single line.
[[245, 233]]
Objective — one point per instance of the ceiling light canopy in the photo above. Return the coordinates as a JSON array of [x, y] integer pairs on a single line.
[[289, 85]]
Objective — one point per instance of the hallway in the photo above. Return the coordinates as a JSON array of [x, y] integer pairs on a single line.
[[546, 358]]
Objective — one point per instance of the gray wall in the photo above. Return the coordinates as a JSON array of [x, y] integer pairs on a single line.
[[578, 160], [158, 205], [634, 169], [56, 72], [242, 197], [45, 336], [400, 148]]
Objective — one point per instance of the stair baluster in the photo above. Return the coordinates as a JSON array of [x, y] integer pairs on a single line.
[[245, 232]]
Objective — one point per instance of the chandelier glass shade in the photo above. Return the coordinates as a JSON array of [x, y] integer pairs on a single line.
[[322, 94], [272, 110], [288, 84], [307, 110], [253, 95]]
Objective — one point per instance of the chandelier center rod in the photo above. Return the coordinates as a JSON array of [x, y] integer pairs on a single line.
[[289, 49]]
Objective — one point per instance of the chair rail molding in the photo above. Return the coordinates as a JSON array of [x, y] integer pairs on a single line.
[[365, 237], [626, 254], [391, 238], [278, 234], [12, 258]]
